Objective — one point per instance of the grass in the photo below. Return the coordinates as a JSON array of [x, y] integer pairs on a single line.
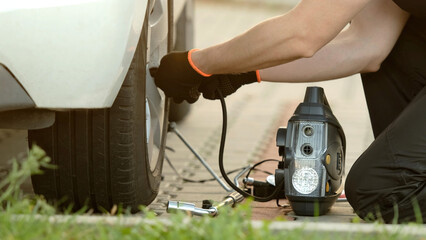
[[23, 217]]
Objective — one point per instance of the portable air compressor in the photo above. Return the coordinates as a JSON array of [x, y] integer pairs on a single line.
[[311, 171], [313, 150]]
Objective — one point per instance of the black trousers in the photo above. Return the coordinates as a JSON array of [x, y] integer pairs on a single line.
[[388, 181]]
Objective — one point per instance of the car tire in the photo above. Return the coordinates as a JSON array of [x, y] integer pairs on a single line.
[[102, 155]]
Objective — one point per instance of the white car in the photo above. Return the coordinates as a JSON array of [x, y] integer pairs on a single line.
[[75, 73]]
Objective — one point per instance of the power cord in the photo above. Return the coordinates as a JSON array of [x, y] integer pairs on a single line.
[[258, 164], [192, 180], [221, 152]]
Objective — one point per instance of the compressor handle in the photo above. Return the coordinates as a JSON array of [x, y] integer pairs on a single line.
[[315, 95]]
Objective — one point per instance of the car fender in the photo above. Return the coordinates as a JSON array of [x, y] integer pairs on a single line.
[[70, 53]]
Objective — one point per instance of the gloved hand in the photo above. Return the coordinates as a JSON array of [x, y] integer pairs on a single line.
[[226, 83], [177, 78]]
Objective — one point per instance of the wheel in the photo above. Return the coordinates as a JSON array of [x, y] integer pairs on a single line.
[[184, 41], [106, 157]]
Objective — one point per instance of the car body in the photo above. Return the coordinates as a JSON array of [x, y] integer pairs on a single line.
[[74, 54], [75, 73]]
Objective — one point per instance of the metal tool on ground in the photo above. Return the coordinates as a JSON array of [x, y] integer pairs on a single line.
[[207, 209], [173, 128]]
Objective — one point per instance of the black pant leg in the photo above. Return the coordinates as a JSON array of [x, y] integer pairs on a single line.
[[392, 171]]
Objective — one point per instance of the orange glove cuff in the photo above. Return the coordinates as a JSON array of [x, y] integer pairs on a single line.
[[193, 65], [258, 76]]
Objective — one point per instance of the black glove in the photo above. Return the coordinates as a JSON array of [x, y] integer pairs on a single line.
[[226, 83], [177, 78]]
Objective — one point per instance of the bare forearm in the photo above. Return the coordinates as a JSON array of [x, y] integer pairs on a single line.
[[299, 33], [361, 48], [244, 53], [342, 57]]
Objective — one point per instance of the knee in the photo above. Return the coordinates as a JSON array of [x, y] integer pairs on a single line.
[[355, 192], [360, 193], [351, 186], [386, 203]]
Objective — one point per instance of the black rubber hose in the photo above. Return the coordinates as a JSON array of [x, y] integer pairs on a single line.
[[221, 167]]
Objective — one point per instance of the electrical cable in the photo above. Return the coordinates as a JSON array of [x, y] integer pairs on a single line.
[[192, 180], [259, 163], [253, 168], [261, 170], [221, 152]]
